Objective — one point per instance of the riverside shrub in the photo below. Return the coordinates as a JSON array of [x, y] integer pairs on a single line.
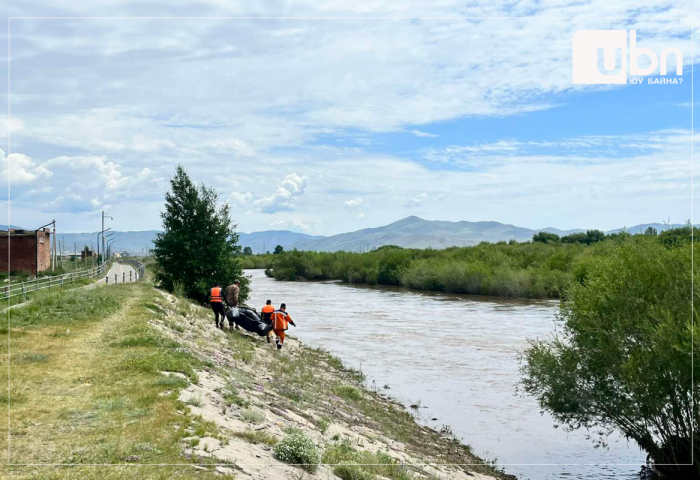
[[300, 450], [512, 270], [622, 359], [531, 270]]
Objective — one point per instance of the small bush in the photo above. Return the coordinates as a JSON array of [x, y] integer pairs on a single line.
[[256, 437], [231, 396], [352, 471], [298, 449], [323, 424], [351, 463], [252, 415], [171, 381], [348, 392]]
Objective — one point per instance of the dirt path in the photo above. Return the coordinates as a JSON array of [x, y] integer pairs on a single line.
[[53, 370]]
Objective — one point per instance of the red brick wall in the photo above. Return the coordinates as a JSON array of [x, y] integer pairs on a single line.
[[23, 252]]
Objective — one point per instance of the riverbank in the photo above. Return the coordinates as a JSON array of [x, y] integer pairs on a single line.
[[132, 375], [519, 270], [537, 269]]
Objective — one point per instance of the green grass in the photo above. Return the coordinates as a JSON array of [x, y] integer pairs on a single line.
[[348, 392], [54, 308], [232, 396], [171, 381], [350, 463], [103, 403], [323, 424], [194, 401], [252, 415], [257, 437]]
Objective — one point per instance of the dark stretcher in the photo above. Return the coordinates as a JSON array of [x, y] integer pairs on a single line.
[[249, 319]]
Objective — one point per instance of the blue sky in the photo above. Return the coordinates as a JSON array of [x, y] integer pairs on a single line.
[[325, 126]]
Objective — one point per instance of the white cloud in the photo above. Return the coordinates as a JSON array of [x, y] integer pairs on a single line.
[[290, 189], [416, 201], [419, 133], [20, 170], [353, 203], [294, 224], [239, 199]]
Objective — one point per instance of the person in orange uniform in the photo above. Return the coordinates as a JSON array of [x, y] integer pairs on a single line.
[[280, 319], [217, 305], [267, 312]]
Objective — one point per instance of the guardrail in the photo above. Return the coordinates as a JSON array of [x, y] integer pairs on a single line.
[[137, 266], [41, 283]]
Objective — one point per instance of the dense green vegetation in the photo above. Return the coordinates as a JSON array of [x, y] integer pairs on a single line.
[[199, 245], [256, 261], [535, 270], [622, 358], [543, 268]]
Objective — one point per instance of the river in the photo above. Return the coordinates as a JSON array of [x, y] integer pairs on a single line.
[[456, 356]]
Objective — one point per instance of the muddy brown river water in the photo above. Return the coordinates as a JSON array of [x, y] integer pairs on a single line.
[[455, 355]]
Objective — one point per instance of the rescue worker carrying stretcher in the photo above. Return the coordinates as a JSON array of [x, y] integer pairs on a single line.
[[280, 319], [217, 305], [231, 297], [267, 312]]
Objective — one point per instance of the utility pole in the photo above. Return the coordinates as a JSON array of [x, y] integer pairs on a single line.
[[103, 228], [75, 255]]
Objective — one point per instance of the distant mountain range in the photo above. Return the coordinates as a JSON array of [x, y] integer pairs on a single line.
[[415, 232], [261, 242], [410, 232]]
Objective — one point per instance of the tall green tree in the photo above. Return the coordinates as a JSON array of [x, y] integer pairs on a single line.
[[622, 358], [545, 237], [199, 245]]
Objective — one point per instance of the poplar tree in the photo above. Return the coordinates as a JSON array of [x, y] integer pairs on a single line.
[[199, 244]]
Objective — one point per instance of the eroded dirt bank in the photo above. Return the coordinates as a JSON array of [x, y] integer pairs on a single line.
[[256, 396]]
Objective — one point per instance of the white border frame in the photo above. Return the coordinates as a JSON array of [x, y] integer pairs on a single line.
[[692, 165]]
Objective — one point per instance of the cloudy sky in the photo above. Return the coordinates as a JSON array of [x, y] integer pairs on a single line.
[[325, 125]]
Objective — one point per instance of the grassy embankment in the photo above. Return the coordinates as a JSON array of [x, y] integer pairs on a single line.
[[29, 294], [527, 270], [88, 387]]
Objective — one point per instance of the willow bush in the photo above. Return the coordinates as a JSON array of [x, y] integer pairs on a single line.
[[622, 357]]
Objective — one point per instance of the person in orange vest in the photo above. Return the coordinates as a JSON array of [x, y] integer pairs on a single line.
[[217, 305], [267, 312], [280, 319]]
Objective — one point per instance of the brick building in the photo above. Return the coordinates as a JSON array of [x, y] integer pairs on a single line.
[[26, 248]]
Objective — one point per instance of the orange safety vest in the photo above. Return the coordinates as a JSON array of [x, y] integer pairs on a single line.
[[267, 311], [216, 295], [280, 319]]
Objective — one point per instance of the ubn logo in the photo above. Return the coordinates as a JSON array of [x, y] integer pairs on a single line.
[[611, 45]]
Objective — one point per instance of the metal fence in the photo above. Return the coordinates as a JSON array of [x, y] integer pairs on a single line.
[[134, 276], [55, 281], [138, 266]]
